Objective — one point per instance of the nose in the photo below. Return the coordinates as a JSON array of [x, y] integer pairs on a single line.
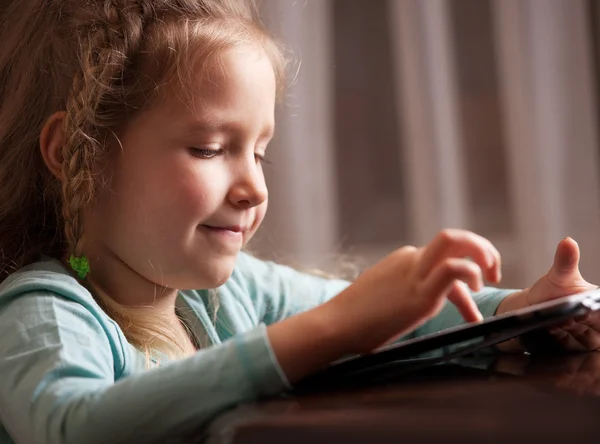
[[249, 188]]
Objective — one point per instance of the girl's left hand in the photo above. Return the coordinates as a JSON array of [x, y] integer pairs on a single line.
[[563, 279]]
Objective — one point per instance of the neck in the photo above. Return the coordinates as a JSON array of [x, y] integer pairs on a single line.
[[127, 287]]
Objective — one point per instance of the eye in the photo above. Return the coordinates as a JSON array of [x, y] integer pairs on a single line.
[[205, 153], [261, 158]]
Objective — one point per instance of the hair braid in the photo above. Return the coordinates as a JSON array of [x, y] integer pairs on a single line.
[[115, 33]]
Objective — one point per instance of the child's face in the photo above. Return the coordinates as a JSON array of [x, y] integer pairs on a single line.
[[187, 190]]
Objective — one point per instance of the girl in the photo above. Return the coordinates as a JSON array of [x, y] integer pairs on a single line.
[[131, 139]]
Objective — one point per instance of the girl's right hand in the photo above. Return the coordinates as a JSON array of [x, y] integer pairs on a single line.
[[410, 286], [393, 297]]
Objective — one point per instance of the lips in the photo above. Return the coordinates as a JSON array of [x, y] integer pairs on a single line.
[[232, 228]]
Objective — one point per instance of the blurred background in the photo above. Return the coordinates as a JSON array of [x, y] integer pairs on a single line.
[[407, 116], [403, 117]]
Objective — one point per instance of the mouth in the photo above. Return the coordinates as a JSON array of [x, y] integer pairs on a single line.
[[231, 228]]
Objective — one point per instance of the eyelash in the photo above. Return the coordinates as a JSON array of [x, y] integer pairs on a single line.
[[206, 153], [261, 159]]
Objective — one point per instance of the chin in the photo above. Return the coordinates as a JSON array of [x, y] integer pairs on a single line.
[[207, 276]]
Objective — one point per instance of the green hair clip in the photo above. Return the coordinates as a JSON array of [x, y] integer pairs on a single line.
[[81, 265]]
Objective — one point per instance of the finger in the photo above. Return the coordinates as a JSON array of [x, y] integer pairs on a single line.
[[587, 336], [461, 297], [566, 340], [567, 255], [442, 277], [586, 318], [461, 243], [442, 282], [564, 325], [566, 261], [591, 318]]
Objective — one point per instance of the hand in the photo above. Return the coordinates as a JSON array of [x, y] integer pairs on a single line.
[[563, 279], [411, 285]]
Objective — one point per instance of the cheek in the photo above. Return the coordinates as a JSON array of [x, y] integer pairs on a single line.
[[260, 213], [194, 195]]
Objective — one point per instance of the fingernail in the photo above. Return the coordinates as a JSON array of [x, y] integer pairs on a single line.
[[489, 259]]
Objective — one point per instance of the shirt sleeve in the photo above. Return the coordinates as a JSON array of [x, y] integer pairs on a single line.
[[61, 379]]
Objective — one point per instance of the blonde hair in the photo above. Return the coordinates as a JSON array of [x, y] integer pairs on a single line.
[[100, 61]]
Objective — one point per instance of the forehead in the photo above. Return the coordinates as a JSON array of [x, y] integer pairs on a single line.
[[236, 84]]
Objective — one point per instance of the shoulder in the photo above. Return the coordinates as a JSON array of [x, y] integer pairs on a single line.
[[43, 300], [48, 276]]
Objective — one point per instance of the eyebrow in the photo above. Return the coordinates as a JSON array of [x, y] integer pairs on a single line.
[[222, 126]]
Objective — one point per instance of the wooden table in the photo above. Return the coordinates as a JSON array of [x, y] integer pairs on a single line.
[[516, 398]]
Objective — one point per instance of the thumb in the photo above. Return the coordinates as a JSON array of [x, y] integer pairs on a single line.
[[566, 259]]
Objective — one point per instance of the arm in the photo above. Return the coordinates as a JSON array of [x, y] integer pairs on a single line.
[[279, 292], [323, 348], [61, 380]]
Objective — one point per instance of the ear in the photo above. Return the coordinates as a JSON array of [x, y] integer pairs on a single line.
[[51, 142]]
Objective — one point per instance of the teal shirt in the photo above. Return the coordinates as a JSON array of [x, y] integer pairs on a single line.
[[68, 374]]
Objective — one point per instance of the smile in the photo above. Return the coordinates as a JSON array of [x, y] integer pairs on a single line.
[[225, 234]]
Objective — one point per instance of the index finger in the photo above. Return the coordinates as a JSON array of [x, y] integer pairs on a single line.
[[461, 243]]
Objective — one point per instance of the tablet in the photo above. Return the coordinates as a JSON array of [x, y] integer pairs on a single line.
[[458, 341]]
